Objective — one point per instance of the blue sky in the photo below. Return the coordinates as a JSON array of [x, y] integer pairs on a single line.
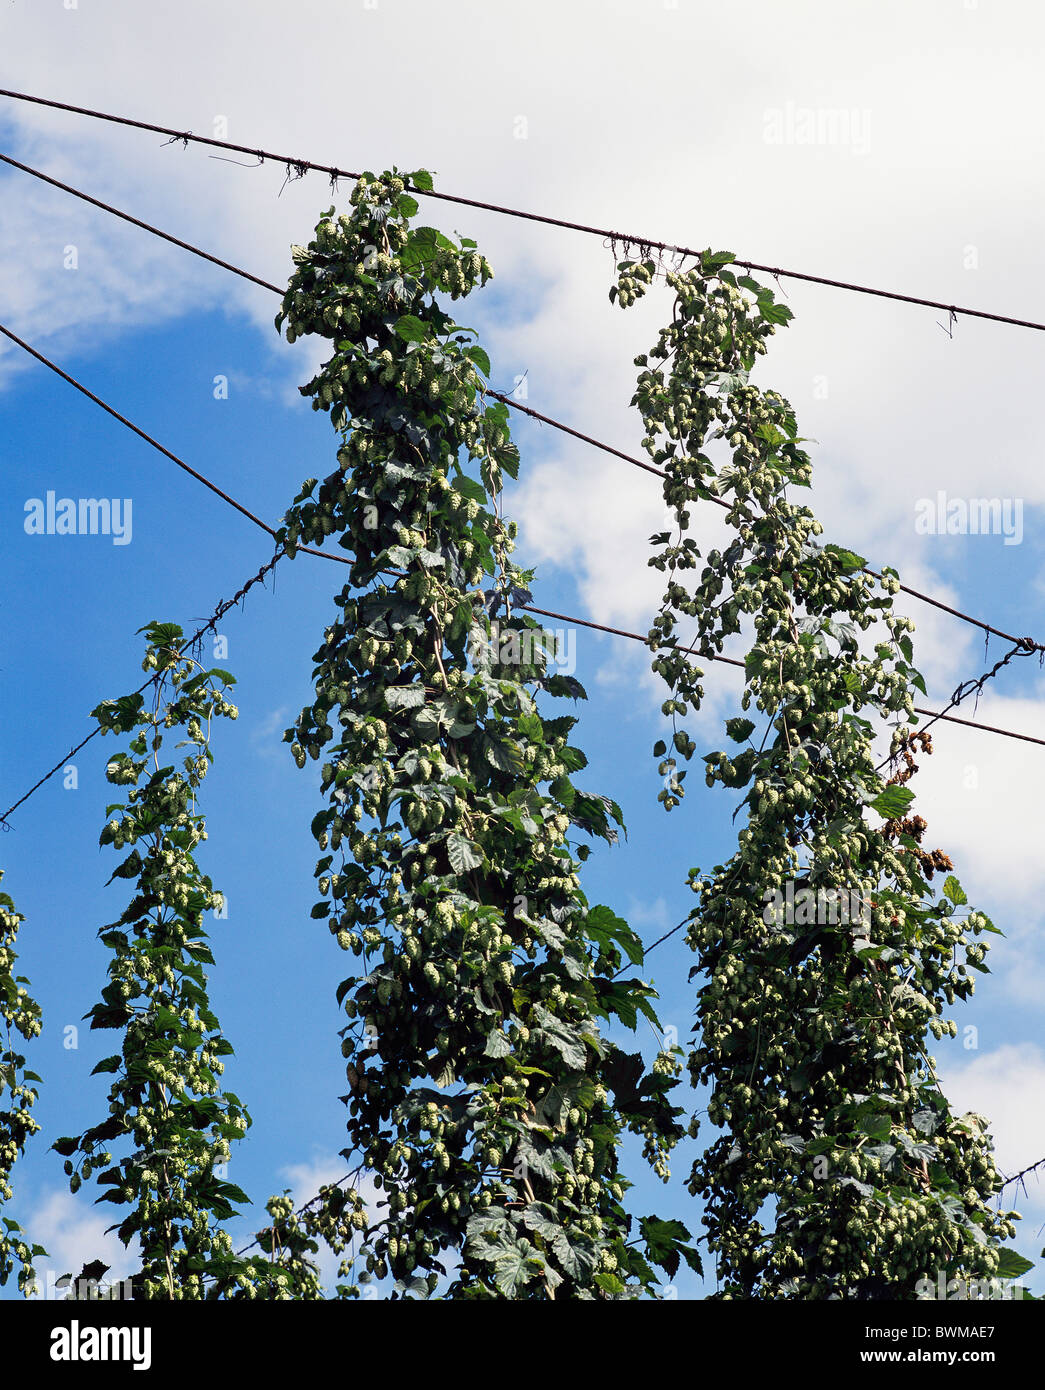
[[897, 410], [276, 969]]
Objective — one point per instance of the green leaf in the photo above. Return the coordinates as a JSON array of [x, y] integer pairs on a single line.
[[665, 1243], [876, 1126], [399, 555], [562, 1038], [107, 1064], [497, 1044], [1012, 1264], [848, 560], [411, 329], [740, 730], [483, 1223], [892, 802], [508, 458], [404, 696], [443, 1073], [516, 1266], [464, 854], [469, 488], [952, 889], [609, 1283], [605, 927], [506, 756], [421, 179], [480, 358]]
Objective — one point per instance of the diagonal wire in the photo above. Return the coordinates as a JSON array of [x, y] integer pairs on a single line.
[[223, 606], [732, 661], [1018, 1177], [1024, 644], [137, 222], [505, 399], [201, 478], [296, 168], [1021, 644], [132, 426], [966, 688]]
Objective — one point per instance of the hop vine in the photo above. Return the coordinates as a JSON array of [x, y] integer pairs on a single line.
[[839, 1169], [19, 1013], [165, 1103], [484, 1101]]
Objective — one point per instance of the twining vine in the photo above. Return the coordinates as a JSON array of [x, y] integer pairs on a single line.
[[486, 1103], [839, 1169], [19, 1013], [483, 1100], [165, 1104]]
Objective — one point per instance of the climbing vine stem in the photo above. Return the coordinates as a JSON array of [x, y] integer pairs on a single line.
[[839, 1169], [19, 1013], [483, 1099], [165, 1106]]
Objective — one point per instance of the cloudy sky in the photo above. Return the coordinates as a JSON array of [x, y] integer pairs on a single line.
[[880, 143]]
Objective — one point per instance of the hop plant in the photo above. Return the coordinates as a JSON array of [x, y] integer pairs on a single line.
[[839, 1169], [19, 1013], [474, 1056]]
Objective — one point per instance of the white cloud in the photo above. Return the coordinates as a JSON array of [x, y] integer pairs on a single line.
[[983, 810], [636, 127], [265, 737], [649, 917], [305, 1180], [1005, 1085], [647, 118], [74, 1235]]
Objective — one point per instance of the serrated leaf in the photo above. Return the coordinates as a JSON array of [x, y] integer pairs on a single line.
[[516, 1267], [497, 1044], [479, 357], [848, 560], [875, 1126], [463, 854], [953, 890], [740, 730], [411, 329], [892, 802], [404, 696], [609, 1283], [605, 927], [469, 488], [1012, 1264]]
